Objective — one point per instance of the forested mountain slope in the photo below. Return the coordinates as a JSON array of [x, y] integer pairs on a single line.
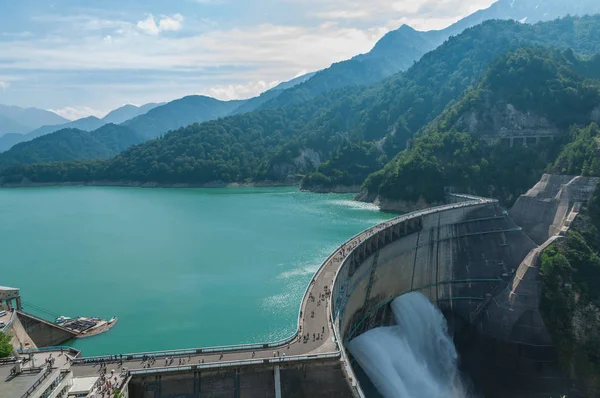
[[87, 124], [71, 144], [541, 88], [570, 303], [180, 113], [392, 112], [399, 49]]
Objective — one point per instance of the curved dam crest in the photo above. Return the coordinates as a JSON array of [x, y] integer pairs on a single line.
[[112, 253]]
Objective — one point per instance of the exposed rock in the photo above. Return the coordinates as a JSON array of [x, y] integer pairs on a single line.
[[336, 189], [402, 206], [502, 120], [365, 196], [308, 158], [288, 172]]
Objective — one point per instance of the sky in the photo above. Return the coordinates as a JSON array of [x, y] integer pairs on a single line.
[[82, 58]]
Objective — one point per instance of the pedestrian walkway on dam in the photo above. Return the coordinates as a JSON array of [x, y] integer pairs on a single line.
[[314, 322]]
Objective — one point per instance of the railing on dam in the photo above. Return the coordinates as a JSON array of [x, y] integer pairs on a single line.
[[73, 351], [462, 201], [10, 320], [232, 364]]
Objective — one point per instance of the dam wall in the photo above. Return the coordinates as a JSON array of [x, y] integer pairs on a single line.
[[456, 255], [318, 378], [461, 256], [42, 332]]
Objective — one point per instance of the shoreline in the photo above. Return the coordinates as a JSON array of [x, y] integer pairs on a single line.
[[137, 184], [214, 184]]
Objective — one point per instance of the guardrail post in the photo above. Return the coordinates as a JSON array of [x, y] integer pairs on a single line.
[[159, 386], [197, 384], [236, 388], [277, 376]]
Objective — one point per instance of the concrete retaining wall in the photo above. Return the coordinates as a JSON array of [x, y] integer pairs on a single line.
[[44, 333], [319, 378]]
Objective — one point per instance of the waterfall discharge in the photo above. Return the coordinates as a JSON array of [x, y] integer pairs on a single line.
[[414, 359]]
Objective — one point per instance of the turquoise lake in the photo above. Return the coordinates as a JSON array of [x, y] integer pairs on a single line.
[[181, 268]]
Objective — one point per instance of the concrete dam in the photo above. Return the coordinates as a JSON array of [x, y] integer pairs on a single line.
[[473, 259]]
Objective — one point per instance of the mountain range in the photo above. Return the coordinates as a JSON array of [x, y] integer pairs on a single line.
[[71, 144], [89, 123], [151, 120], [17, 120], [394, 52], [337, 104], [399, 49], [342, 136]]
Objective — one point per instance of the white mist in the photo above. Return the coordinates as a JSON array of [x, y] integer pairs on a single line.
[[416, 358]]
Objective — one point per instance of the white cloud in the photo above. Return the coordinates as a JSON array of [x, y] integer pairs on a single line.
[[239, 91], [165, 24], [225, 60], [266, 52], [301, 73], [171, 23], [343, 14], [4, 85], [78, 112], [420, 14]]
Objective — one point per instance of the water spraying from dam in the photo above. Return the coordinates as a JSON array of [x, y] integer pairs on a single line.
[[415, 358]]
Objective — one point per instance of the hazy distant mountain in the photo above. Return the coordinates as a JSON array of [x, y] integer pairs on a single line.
[[90, 123], [180, 113], [70, 140], [127, 112], [399, 49], [87, 124], [14, 119], [10, 126], [71, 144], [532, 11], [254, 103]]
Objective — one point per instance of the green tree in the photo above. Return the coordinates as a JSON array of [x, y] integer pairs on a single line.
[[6, 347]]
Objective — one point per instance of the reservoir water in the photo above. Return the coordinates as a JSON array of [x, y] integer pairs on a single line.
[[181, 268]]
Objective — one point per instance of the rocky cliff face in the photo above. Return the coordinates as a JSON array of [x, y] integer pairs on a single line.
[[393, 205], [337, 189], [288, 172], [501, 120]]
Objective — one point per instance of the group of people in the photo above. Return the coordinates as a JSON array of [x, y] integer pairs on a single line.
[[105, 360], [169, 361], [50, 361], [148, 361], [107, 384], [315, 336]]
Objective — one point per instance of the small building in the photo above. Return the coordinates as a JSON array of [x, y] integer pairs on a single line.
[[10, 297], [83, 387]]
